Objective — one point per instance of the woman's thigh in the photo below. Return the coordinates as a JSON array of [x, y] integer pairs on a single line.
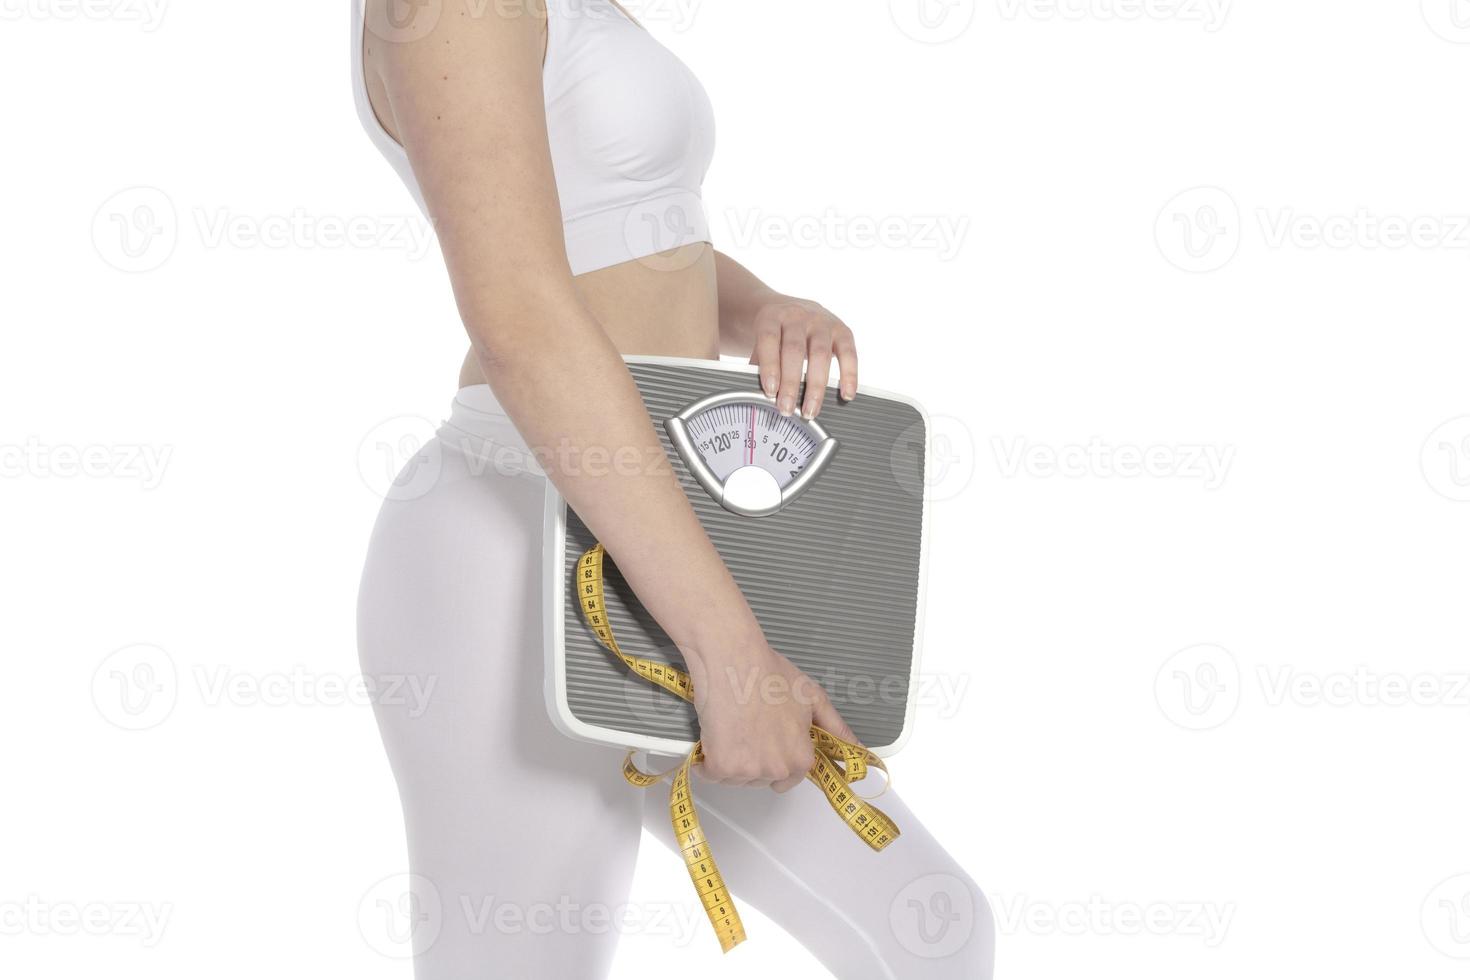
[[525, 839], [909, 912]]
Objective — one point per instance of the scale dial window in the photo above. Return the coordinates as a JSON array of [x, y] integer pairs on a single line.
[[746, 455]]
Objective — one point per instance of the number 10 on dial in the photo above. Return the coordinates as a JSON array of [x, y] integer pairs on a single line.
[[746, 455]]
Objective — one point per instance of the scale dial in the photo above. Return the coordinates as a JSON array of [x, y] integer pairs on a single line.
[[748, 456]]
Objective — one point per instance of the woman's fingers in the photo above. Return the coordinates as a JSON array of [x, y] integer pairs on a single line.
[[767, 354], [716, 770], [787, 783], [824, 715], [793, 352], [786, 340], [818, 364], [847, 362], [743, 774]]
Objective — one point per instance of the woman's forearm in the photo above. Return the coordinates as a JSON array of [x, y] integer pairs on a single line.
[[741, 297], [574, 402]]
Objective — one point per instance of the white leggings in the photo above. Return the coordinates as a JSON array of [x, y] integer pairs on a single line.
[[525, 838]]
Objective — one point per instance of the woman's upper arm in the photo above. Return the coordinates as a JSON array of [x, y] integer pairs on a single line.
[[468, 104]]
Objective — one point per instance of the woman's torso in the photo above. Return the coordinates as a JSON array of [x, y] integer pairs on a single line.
[[661, 302]]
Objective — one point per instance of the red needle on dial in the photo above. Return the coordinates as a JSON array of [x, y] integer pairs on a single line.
[[752, 434]]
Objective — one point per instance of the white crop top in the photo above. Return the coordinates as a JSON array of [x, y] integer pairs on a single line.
[[631, 131]]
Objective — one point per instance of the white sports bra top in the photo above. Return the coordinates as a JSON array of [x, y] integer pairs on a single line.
[[631, 131]]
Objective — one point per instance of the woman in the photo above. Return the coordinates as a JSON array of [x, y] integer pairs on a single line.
[[559, 153]]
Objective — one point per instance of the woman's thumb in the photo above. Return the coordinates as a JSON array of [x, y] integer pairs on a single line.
[[824, 715]]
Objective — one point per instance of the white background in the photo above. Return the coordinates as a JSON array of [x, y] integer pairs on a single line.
[[1230, 701]]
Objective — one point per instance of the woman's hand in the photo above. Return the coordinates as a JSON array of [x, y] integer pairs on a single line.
[[755, 718], [789, 330], [779, 332]]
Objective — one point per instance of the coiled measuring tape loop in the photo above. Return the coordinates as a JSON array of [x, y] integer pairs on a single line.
[[837, 763]]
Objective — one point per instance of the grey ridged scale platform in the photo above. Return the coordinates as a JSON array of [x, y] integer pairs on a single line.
[[835, 577]]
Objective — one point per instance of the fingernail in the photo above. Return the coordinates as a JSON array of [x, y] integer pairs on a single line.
[[847, 393], [768, 384], [809, 412], [786, 405]]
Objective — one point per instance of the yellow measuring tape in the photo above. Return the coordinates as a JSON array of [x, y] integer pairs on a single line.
[[838, 762]]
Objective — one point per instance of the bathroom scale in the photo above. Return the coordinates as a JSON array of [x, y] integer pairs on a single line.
[[822, 524]]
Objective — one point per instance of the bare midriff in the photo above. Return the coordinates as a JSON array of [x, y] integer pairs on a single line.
[[664, 303]]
